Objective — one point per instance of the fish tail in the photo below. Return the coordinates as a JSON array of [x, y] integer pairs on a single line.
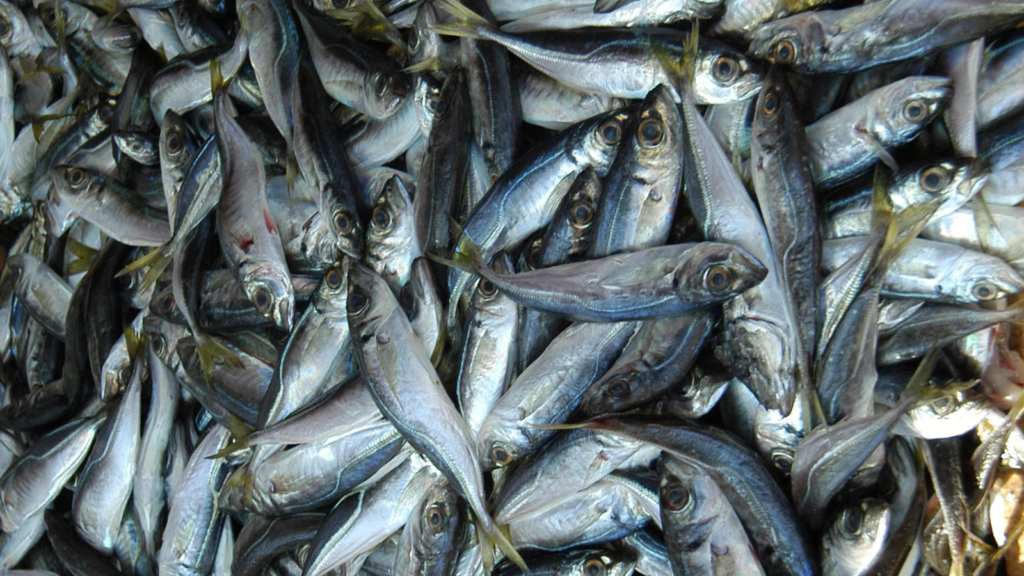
[[209, 349], [155, 271], [468, 24], [495, 537]]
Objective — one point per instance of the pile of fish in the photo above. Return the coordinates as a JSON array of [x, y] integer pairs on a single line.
[[558, 287]]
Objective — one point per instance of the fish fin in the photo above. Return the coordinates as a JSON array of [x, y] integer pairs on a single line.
[[688, 61], [915, 388], [486, 552], [209, 349], [468, 24], [77, 266], [576, 426], [432, 64], [291, 171], [989, 235], [236, 446], [366, 20], [141, 262], [880, 152], [216, 76], [81, 250]]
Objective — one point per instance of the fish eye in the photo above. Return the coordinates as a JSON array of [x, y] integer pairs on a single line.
[[611, 132], [487, 288], [984, 291], [618, 388], [159, 344], [136, 146], [943, 406], [933, 179], [358, 301], [107, 113], [582, 213], [167, 304], [852, 520], [674, 497], [261, 300], [500, 456], [782, 460], [382, 81], [650, 132], [535, 257], [127, 281], [50, 14], [5, 28], [915, 111], [771, 103], [406, 299], [75, 177], [124, 375], [381, 217], [333, 278], [343, 222], [784, 52], [436, 516], [594, 567], [174, 143], [414, 40], [725, 69], [718, 279]]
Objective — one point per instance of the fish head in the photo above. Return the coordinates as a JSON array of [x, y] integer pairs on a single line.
[[174, 140], [343, 223], [690, 500], [774, 111], [499, 443], [777, 435], [713, 271], [988, 281], [613, 391], [658, 128], [789, 42], [439, 514], [600, 563], [15, 31], [945, 181], [268, 285], [391, 215], [369, 303], [332, 293], [426, 96], [950, 415], [911, 104], [600, 138], [724, 75], [424, 42], [384, 92], [856, 536]]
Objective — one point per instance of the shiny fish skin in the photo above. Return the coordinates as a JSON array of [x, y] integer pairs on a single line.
[[854, 38], [510, 287]]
